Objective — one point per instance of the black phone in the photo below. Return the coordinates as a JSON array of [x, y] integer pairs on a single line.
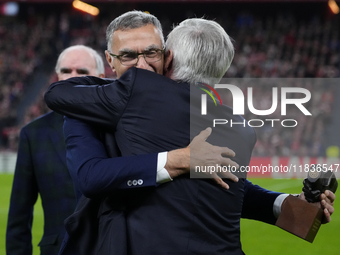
[[317, 182]]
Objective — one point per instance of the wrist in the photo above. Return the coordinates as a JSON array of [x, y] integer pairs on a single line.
[[178, 162]]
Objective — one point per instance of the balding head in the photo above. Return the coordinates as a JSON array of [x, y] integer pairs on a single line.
[[79, 60]]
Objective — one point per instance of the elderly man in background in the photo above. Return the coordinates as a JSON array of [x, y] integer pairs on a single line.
[[41, 167]]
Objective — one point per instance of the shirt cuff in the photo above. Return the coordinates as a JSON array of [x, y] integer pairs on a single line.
[[278, 203], [162, 173]]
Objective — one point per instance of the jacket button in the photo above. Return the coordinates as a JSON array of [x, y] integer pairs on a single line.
[[129, 182], [140, 182], [134, 182]]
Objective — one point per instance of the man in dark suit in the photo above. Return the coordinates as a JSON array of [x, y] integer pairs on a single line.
[[186, 215], [41, 167]]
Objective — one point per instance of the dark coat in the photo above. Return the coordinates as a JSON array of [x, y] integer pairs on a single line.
[[150, 113], [40, 169]]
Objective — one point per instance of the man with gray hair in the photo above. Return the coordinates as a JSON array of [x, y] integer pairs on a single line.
[[143, 137], [41, 167], [134, 32], [186, 215], [70, 63], [201, 52], [147, 38]]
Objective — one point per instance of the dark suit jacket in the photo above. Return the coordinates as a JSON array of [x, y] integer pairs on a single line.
[[40, 169], [150, 113]]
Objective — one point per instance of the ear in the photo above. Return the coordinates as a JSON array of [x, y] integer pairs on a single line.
[[168, 61], [109, 60]]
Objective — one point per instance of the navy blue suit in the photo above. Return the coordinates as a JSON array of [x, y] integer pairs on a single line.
[[150, 113], [40, 169]]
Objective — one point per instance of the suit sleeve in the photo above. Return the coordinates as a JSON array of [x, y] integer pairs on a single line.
[[258, 203], [23, 197], [93, 173], [91, 99]]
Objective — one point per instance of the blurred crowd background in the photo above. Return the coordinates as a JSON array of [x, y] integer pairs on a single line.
[[272, 40]]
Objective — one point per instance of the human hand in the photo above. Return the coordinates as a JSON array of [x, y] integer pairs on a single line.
[[204, 155], [326, 203]]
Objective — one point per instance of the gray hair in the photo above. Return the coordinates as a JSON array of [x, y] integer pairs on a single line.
[[132, 20], [99, 60], [202, 51]]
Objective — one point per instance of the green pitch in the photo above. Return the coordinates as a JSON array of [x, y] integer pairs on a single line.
[[257, 238], [263, 239], [38, 221]]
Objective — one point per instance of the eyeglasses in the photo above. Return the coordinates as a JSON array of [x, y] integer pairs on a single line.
[[131, 58]]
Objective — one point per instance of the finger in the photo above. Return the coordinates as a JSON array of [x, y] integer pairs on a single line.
[[204, 134], [220, 182], [323, 197], [330, 195], [327, 206], [225, 151], [229, 163], [230, 176], [327, 216]]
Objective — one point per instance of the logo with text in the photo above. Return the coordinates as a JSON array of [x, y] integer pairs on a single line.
[[239, 104]]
